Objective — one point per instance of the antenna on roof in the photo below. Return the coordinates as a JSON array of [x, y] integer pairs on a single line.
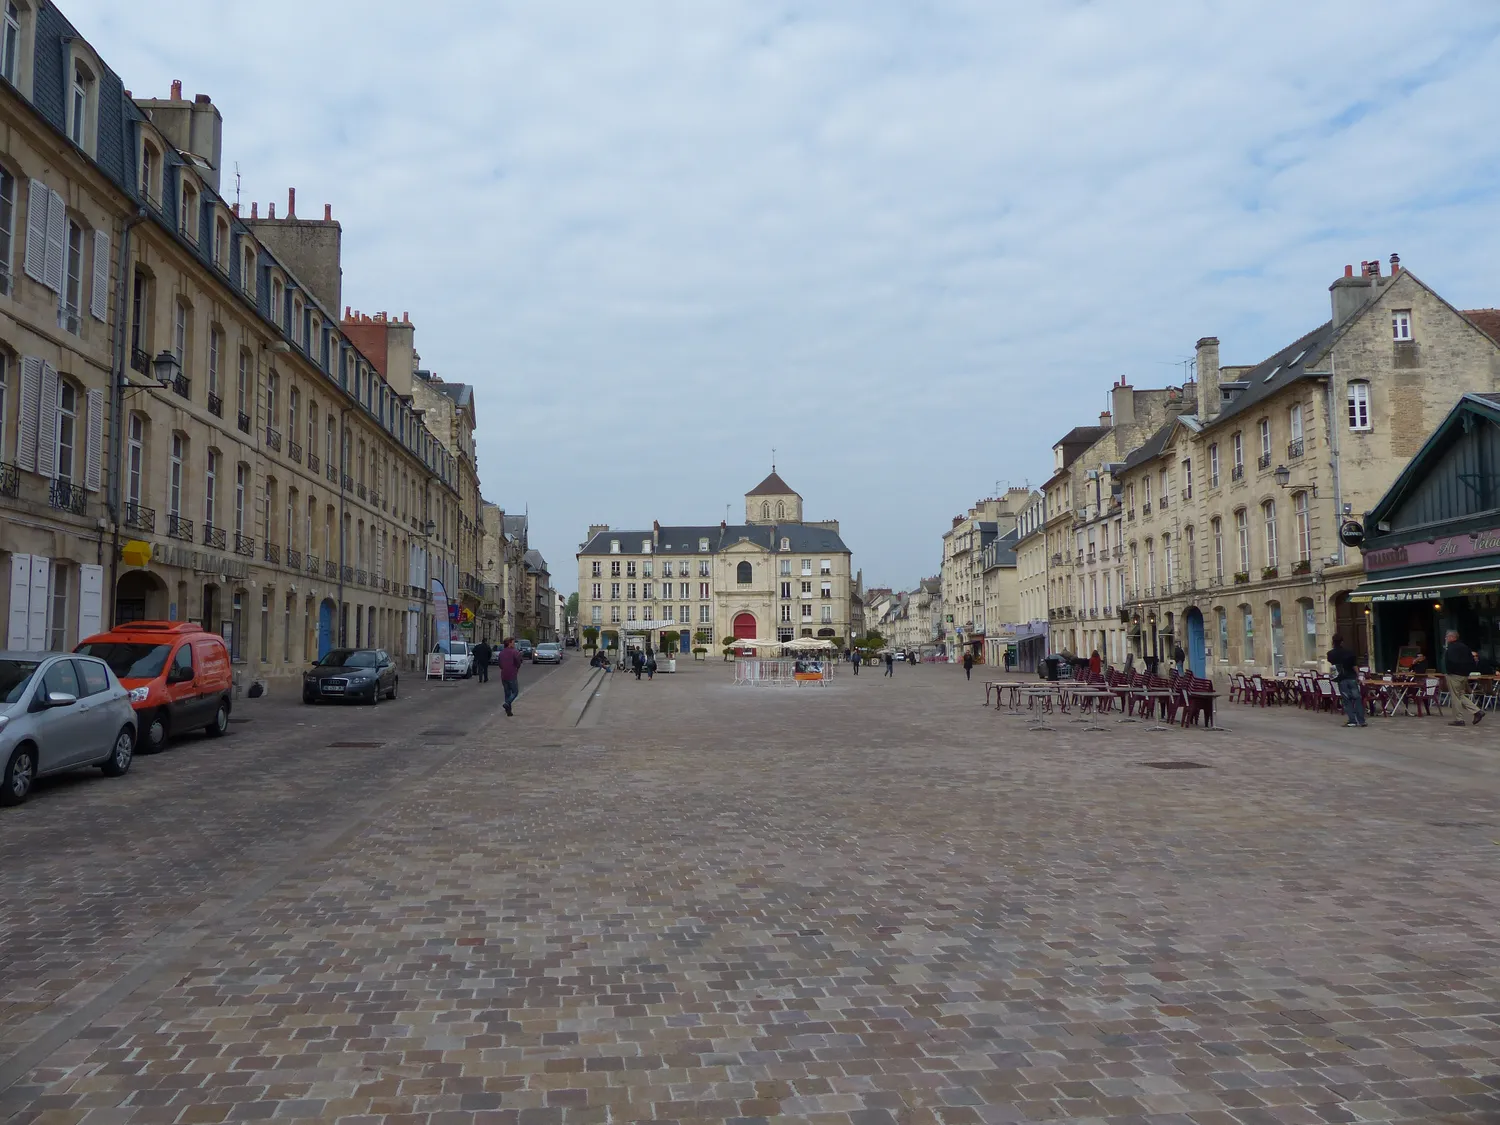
[[236, 184], [773, 458]]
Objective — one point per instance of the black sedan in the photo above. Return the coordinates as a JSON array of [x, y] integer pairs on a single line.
[[362, 674]]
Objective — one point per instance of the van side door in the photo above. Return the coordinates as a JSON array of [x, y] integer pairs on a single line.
[[184, 707]]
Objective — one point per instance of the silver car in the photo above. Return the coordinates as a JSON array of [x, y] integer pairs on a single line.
[[59, 712]]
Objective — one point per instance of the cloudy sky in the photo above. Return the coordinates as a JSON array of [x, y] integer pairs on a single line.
[[908, 244]]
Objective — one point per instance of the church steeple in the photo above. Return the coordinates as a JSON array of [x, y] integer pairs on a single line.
[[773, 501]]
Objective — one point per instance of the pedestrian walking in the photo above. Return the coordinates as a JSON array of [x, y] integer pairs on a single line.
[[968, 665], [637, 662], [856, 659], [1347, 675], [1459, 661], [1179, 658], [1096, 663], [482, 655], [510, 672], [650, 664], [890, 664]]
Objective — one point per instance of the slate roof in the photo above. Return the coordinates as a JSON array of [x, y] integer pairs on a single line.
[[1270, 376], [534, 560], [515, 526], [1005, 549], [804, 538], [773, 485], [1152, 447], [461, 393]]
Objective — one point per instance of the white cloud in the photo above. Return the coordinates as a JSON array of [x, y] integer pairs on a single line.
[[909, 245]]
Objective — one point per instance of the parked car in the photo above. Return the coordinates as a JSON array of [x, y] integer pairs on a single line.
[[458, 658], [177, 673], [366, 675], [548, 652], [59, 712], [528, 650]]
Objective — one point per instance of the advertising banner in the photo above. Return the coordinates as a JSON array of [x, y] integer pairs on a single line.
[[441, 624]]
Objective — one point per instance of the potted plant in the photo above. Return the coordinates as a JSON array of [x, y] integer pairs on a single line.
[[699, 652], [590, 638], [1268, 572], [1241, 577], [1302, 566], [669, 640]]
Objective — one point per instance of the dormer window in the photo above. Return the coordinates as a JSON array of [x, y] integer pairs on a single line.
[[1401, 325], [646, 548], [82, 100], [297, 320], [247, 271], [786, 544], [278, 295], [150, 170], [187, 214], [614, 546], [10, 44], [221, 243]]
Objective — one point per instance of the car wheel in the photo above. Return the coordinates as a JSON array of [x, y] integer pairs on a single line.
[[20, 775], [153, 737], [394, 684], [118, 762], [375, 695], [220, 725]]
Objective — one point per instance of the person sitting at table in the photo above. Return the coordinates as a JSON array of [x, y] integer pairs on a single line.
[[1419, 665]]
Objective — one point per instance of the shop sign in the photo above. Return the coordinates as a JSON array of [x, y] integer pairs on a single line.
[[200, 562], [1442, 549]]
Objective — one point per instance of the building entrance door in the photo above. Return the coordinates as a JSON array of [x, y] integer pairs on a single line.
[[1197, 648], [325, 628]]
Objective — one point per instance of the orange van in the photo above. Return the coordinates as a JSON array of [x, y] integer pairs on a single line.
[[177, 673]]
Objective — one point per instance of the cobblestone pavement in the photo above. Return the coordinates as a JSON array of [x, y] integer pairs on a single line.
[[872, 903]]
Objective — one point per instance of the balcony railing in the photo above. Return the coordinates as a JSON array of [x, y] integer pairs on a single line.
[[1264, 461], [215, 537], [140, 361], [10, 479], [314, 564], [333, 473], [313, 464], [330, 569], [182, 386], [179, 528], [1146, 508], [272, 554], [374, 498], [1129, 515], [1294, 448], [1187, 494], [1237, 473], [293, 558], [1057, 559], [1119, 552], [348, 482], [361, 578], [273, 439], [359, 491], [348, 573], [1162, 502], [294, 451], [243, 422], [215, 405], [385, 585], [67, 497], [244, 545]]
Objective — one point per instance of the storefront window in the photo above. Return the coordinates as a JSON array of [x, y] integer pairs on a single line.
[[1223, 634], [1309, 631], [1278, 639], [1249, 654]]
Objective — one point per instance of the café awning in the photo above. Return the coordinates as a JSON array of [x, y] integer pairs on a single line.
[[1429, 586]]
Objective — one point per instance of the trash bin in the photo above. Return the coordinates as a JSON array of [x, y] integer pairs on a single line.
[[1049, 668]]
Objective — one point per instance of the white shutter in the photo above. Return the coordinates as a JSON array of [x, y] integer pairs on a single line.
[[31, 397], [99, 298], [38, 195], [20, 599], [90, 600], [36, 614], [93, 456], [57, 242], [46, 423]]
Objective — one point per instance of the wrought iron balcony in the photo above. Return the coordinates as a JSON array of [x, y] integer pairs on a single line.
[[293, 558], [215, 405], [1129, 515], [182, 386], [294, 451], [1119, 552], [1294, 448], [140, 361], [348, 482], [374, 498], [272, 554], [1162, 502], [333, 473], [348, 573], [66, 496], [359, 490], [215, 536], [1146, 508], [361, 578], [330, 569], [1237, 473], [1264, 461], [243, 422], [385, 585], [10, 479], [244, 545], [314, 564], [273, 439], [313, 464], [179, 528]]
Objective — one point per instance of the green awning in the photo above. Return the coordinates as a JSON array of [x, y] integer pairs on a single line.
[[1429, 586]]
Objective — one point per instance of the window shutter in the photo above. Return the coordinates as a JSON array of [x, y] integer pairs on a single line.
[[38, 196], [90, 600], [99, 299], [57, 235], [46, 423], [31, 396], [94, 448], [36, 613], [20, 600]]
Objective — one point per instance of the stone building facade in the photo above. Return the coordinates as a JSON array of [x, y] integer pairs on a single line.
[[185, 431], [776, 575]]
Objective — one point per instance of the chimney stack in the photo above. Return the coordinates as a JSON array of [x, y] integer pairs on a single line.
[[1122, 403], [328, 212], [177, 89], [1349, 294], [291, 203], [1395, 264], [1208, 376], [270, 210], [254, 210], [1106, 419]]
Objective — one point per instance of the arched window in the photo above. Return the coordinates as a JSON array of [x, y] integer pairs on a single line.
[[1217, 527], [1268, 513], [742, 574], [765, 510], [1242, 530], [780, 509]]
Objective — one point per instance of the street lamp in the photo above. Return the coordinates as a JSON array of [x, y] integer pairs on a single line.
[[166, 367], [1283, 477]]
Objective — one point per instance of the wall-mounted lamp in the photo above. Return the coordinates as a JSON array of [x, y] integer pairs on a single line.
[[1283, 477], [166, 367]]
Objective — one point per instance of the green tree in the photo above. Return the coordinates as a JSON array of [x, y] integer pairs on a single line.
[[591, 636], [669, 642], [572, 608]]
